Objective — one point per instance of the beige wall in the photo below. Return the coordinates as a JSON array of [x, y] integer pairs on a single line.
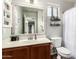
[[6, 32], [50, 31]]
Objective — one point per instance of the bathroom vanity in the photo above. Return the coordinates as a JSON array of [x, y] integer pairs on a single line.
[[25, 50], [26, 33], [27, 21]]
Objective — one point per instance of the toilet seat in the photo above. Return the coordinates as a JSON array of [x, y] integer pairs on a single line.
[[64, 52]]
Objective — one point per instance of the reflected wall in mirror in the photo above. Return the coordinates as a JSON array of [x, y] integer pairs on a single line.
[[26, 20], [30, 22]]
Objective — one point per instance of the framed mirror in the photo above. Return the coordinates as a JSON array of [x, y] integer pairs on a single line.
[[27, 20]]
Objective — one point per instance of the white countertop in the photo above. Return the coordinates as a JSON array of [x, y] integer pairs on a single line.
[[11, 44]]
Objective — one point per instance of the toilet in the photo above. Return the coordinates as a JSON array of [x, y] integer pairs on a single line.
[[62, 51]]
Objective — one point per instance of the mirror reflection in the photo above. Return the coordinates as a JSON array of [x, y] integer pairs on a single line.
[[27, 20]]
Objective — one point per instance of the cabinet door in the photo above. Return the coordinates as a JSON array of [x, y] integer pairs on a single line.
[[6, 54], [40, 51], [21, 53]]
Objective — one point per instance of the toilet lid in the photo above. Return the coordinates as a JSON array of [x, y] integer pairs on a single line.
[[63, 50]]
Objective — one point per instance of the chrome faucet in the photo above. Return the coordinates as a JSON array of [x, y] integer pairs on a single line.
[[35, 36]]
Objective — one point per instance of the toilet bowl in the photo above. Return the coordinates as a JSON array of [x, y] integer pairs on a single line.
[[62, 51]]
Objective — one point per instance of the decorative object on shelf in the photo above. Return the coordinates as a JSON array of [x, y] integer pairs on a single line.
[[6, 19], [52, 18], [7, 6], [54, 21]]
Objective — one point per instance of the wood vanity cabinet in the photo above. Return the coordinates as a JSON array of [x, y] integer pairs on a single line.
[[16, 53], [40, 51]]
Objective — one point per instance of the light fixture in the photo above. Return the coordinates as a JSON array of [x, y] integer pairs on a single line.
[[31, 1]]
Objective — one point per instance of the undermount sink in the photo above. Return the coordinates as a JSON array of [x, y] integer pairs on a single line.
[[26, 40], [23, 40], [39, 39]]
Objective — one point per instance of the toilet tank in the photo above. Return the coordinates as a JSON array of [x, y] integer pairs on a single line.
[[56, 41]]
